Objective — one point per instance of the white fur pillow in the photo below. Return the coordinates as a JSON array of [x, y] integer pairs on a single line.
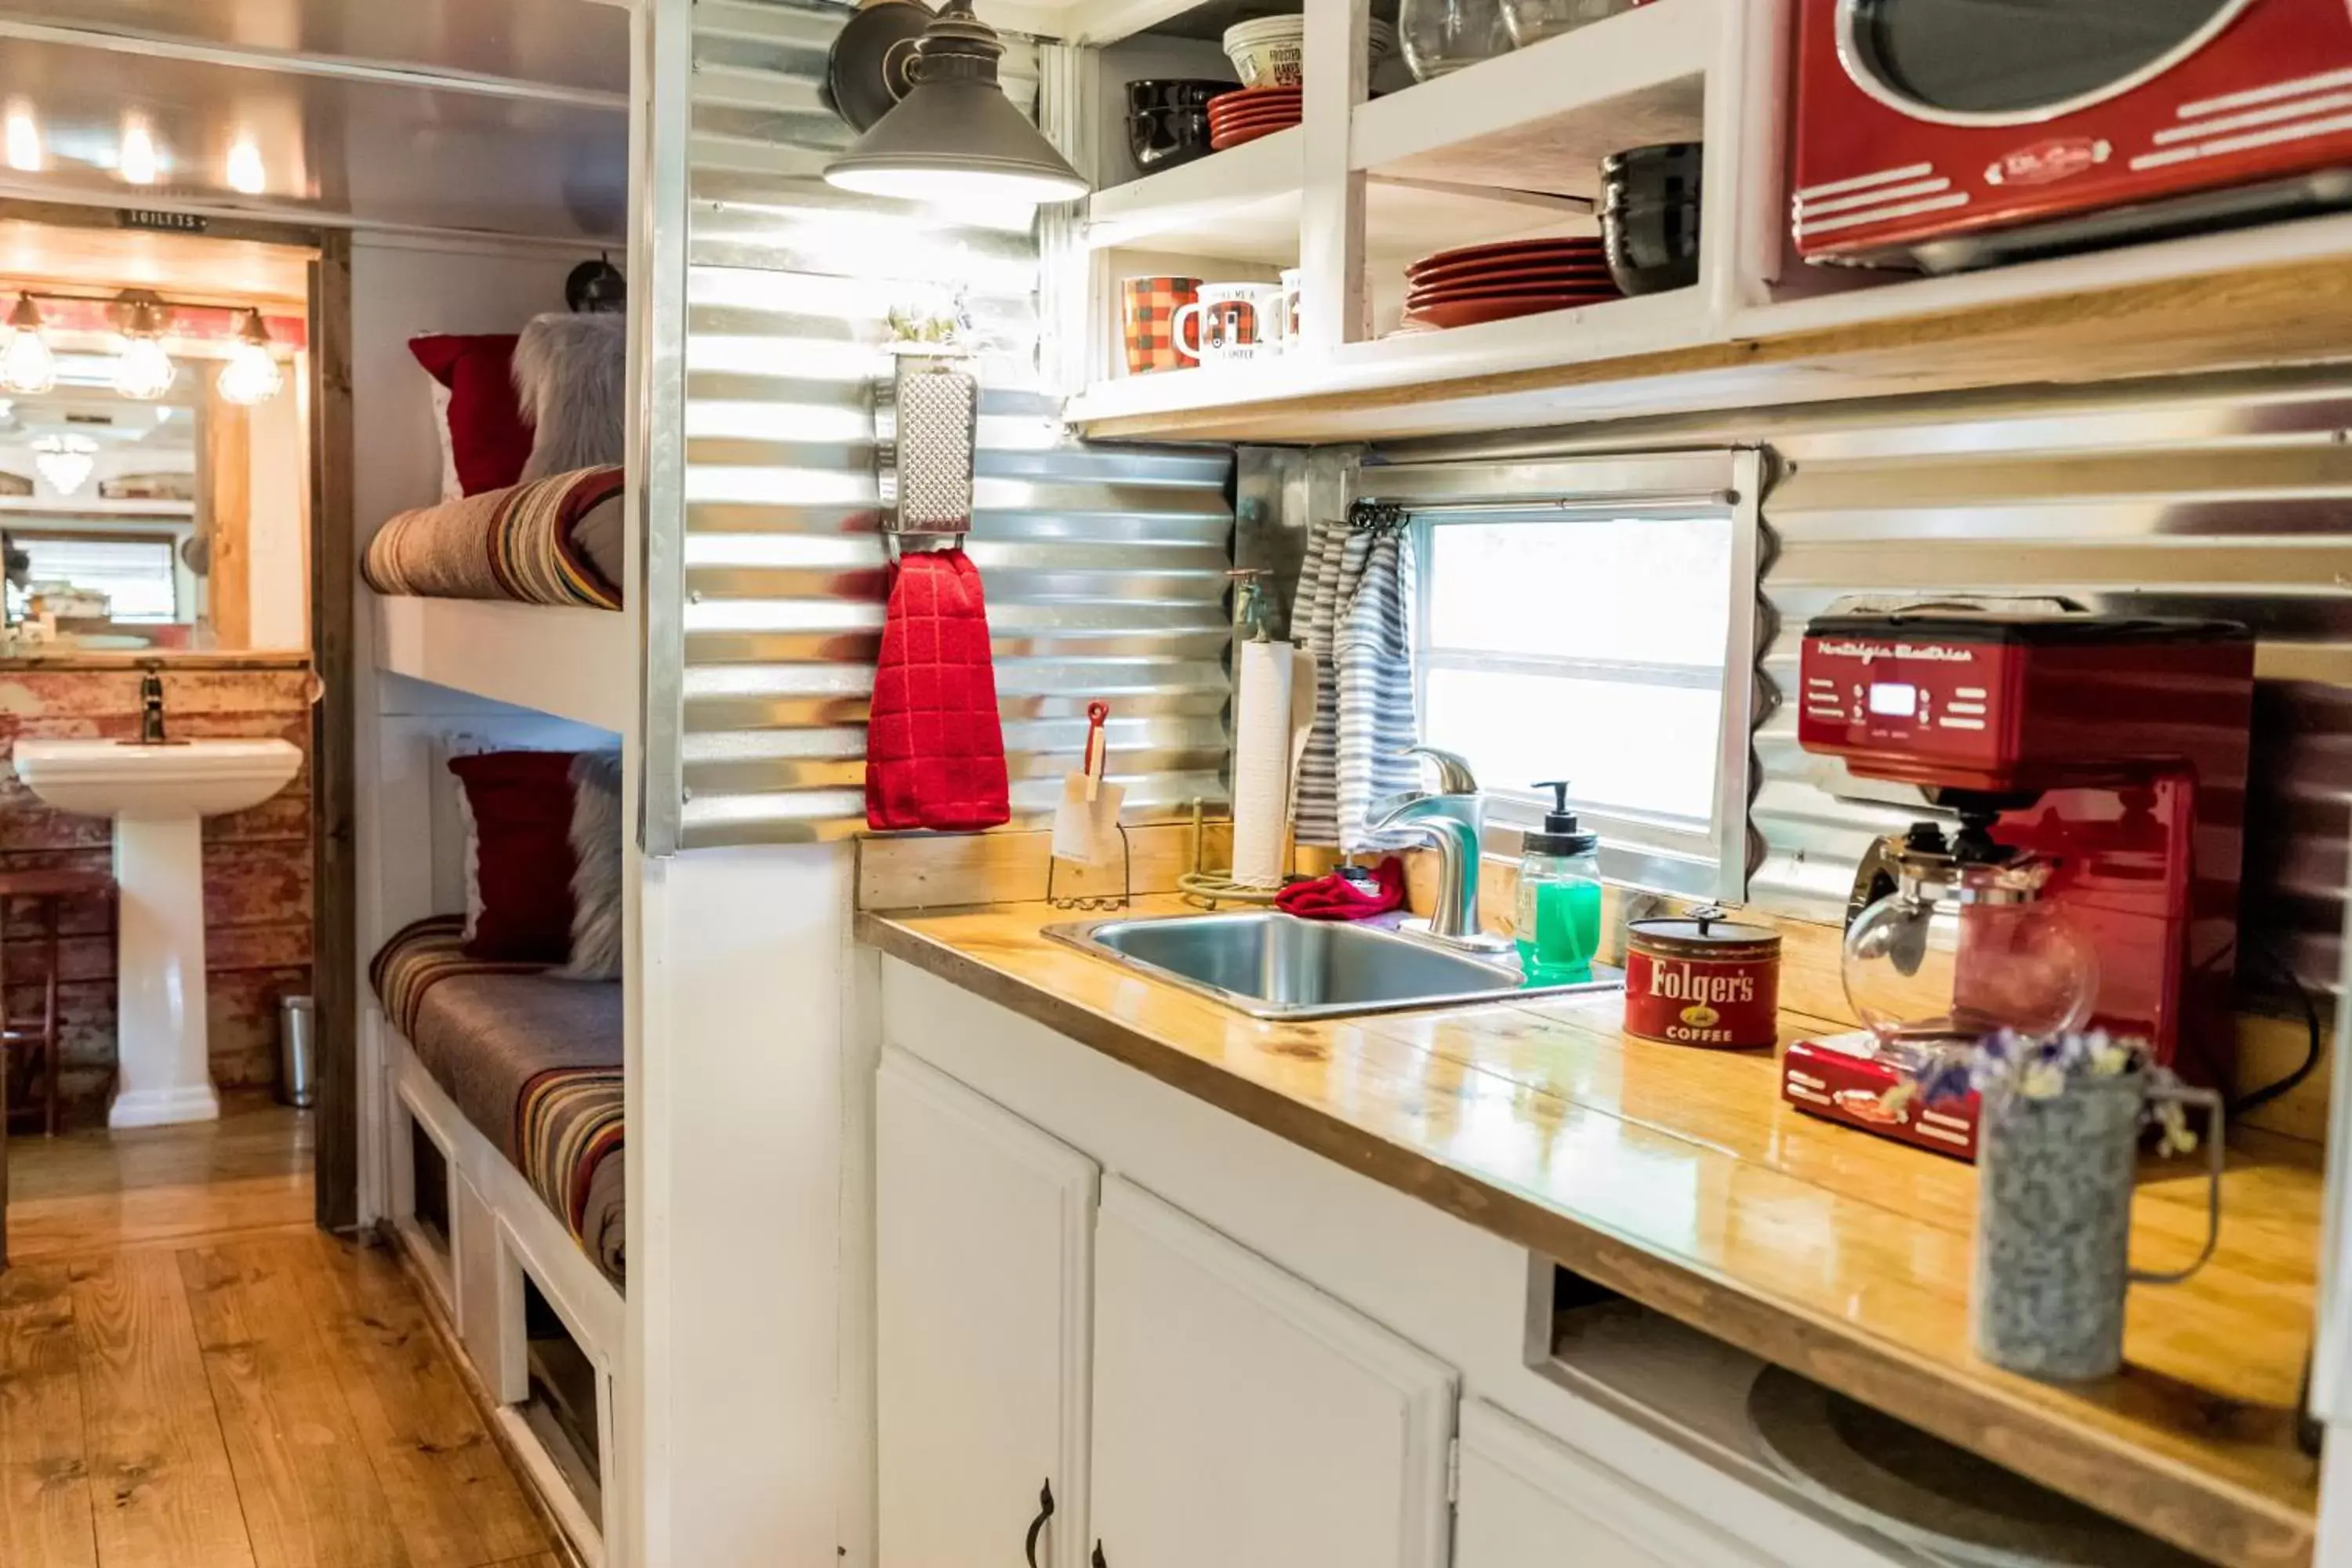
[[571, 376], [597, 944]]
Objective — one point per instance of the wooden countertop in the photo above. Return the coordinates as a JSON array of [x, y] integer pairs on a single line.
[[168, 660], [1678, 1178]]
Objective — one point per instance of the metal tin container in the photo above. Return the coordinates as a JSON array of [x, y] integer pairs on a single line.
[[1703, 980]]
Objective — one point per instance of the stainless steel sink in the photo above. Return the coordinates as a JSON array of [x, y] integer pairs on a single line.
[[1272, 965]]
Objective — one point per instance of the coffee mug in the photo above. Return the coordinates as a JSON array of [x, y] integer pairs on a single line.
[[1149, 307], [1231, 322]]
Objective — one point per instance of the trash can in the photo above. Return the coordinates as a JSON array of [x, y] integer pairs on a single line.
[[298, 1051]]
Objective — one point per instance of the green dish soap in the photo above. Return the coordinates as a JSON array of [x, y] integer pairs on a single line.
[[1559, 913]]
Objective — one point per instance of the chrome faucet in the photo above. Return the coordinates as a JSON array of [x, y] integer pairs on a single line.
[[1452, 817], [150, 708]]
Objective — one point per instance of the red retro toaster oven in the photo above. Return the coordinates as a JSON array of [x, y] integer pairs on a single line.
[[1953, 133]]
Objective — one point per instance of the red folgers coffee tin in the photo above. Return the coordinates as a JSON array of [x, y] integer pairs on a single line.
[[1703, 980]]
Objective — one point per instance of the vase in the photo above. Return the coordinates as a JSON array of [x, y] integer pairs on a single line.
[[2054, 1223]]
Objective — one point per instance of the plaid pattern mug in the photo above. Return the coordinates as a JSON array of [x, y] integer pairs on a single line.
[[1149, 307]]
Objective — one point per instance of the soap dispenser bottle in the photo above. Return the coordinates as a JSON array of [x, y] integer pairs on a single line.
[[1559, 917]]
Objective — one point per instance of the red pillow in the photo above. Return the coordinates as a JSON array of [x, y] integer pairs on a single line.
[[488, 435], [522, 803]]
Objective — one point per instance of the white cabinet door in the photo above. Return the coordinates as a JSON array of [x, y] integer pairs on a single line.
[[984, 1234], [1527, 1501], [1242, 1419]]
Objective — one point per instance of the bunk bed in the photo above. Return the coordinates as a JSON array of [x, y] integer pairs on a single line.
[[493, 1036], [510, 595]]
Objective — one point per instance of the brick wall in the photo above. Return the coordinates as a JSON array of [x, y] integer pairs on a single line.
[[257, 867]]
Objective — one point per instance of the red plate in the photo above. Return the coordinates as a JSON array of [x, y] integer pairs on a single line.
[[1237, 138], [1553, 302], [1251, 116], [1510, 253], [1254, 111], [1571, 277], [1470, 312], [1252, 98], [1237, 127]]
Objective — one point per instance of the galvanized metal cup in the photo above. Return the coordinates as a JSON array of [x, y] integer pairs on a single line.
[[2054, 1223]]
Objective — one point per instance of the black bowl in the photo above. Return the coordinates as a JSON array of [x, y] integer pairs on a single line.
[[1652, 177], [1164, 138], [1174, 94], [1652, 249]]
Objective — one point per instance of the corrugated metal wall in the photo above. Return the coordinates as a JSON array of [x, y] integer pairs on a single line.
[[1105, 567], [2224, 497]]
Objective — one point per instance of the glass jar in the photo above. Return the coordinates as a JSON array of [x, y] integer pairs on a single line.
[[1532, 21], [1442, 36]]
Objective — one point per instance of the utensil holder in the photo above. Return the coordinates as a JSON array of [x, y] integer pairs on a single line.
[[926, 433], [2054, 1223]]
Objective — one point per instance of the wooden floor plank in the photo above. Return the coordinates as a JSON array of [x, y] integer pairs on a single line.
[[109, 1222], [45, 1509], [163, 1493], [310, 1494], [453, 1498], [536, 1560]]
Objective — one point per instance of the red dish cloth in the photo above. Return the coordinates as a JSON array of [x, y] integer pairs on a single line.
[[1334, 897], [934, 747]]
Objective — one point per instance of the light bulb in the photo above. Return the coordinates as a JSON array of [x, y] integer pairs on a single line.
[[26, 366], [24, 138], [138, 162], [144, 371], [246, 172], [251, 375]]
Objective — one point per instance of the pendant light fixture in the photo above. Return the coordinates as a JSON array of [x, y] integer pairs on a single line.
[[65, 461], [252, 375], [142, 370], [951, 135], [27, 366]]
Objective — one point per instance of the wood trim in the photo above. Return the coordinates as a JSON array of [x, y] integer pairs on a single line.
[[228, 517], [2297, 313], [943, 870], [334, 589]]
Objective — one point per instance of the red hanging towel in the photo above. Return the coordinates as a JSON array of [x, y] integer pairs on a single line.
[[934, 748]]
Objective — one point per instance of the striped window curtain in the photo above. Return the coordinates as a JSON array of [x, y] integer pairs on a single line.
[[1355, 603]]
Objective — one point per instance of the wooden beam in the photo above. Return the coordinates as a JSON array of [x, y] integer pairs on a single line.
[[228, 518], [335, 579]]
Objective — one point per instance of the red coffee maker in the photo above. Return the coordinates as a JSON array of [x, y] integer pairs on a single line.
[[2098, 768]]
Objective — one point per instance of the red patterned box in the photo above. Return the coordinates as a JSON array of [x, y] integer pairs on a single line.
[[1845, 1079]]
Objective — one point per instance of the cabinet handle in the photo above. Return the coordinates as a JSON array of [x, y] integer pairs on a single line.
[[1037, 1525]]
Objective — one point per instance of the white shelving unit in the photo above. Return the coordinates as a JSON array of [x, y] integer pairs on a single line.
[[1506, 148], [574, 663]]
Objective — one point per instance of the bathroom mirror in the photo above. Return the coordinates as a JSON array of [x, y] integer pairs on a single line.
[[155, 491]]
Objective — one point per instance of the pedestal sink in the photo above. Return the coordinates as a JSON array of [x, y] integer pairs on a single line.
[[156, 795]]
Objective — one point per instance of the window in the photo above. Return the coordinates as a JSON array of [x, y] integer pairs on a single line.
[[134, 572], [1588, 636]]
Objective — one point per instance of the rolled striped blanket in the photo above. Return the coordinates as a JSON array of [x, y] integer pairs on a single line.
[[529, 543]]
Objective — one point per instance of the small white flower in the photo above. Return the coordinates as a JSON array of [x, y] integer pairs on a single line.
[[2042, 1080]]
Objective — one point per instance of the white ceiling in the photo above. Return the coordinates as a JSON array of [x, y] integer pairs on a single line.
[[491, 116]]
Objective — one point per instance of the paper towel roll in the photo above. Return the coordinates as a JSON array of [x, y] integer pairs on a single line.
[[1261, 763]]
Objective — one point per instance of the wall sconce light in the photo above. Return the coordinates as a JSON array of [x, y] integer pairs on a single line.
[[937, 125], [144, 370], [252, 375], [27, 366]]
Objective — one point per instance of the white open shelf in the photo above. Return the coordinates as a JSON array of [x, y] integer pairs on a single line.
[[1243, 205], [574, 663], [1542, 119]]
